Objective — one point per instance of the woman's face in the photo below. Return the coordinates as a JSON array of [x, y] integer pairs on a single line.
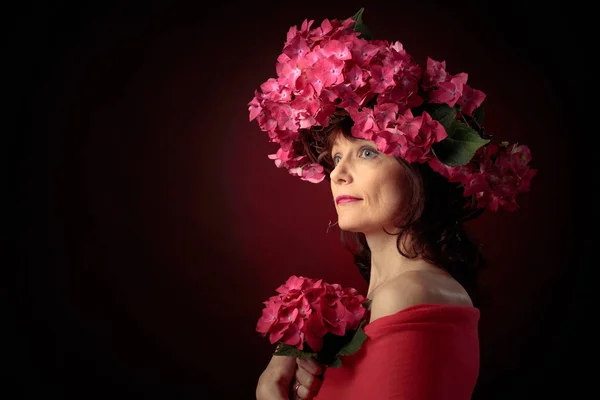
[[367, 185]]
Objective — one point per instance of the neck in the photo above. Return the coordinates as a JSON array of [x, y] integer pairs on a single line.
[[386, 261]]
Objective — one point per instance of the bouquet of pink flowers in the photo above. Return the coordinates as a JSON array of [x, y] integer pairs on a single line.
[[311, 318]]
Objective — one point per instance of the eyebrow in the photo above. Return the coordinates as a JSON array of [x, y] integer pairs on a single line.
[[351, 140], [334, 147]]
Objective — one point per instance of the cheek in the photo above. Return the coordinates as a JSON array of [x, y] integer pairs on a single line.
[[390, 197]]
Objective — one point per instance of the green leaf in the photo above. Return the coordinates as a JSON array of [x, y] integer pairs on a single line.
[[353, 345], [359, 26], [367, 304], [479, 115], [291, 351], [335, 363], [287, 350], [443, 113], [460, 145], [305, 355]]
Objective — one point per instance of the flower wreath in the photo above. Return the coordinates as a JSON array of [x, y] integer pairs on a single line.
[[424, 115]]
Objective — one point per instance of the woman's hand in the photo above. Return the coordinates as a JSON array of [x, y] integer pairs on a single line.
[[275, 381], [288, 378], [308, 379]]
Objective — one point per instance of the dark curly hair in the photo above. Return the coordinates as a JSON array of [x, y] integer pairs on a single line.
[[434, 218]]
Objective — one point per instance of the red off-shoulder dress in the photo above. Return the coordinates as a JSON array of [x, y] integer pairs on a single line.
[[424, 352]]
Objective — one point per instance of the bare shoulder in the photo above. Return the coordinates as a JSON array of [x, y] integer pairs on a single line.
[[417, 287]]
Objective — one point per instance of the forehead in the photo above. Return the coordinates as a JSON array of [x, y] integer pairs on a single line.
[[341, 141]]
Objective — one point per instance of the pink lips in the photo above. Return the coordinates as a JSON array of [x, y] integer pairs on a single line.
[[346, 199]]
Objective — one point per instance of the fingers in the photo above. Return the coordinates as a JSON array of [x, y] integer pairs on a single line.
[[275, 381], [308, 381], [281, 361], [282, 368], [310, 365], [303, 393], [308, 376]]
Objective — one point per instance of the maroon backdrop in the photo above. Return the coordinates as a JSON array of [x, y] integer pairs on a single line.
[[154, 224]]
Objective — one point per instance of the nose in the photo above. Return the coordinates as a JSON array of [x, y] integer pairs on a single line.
[[342, 173]]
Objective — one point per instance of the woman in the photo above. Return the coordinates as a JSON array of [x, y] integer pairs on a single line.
[[390, 137]]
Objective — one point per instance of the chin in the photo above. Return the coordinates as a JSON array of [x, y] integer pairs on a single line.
[[349, 229], [352, 226], [361, 226], [347, 225]]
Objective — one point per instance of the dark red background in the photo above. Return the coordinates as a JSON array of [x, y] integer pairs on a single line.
[[151, 224]]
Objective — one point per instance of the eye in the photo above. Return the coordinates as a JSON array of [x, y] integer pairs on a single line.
[[368, 152]]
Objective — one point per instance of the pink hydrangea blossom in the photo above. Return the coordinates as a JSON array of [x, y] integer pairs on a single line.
[[495, 176], [330, 67], [305, 310], [327, 68]]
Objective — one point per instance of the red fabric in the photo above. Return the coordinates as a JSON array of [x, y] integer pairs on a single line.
[[424, 352]]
